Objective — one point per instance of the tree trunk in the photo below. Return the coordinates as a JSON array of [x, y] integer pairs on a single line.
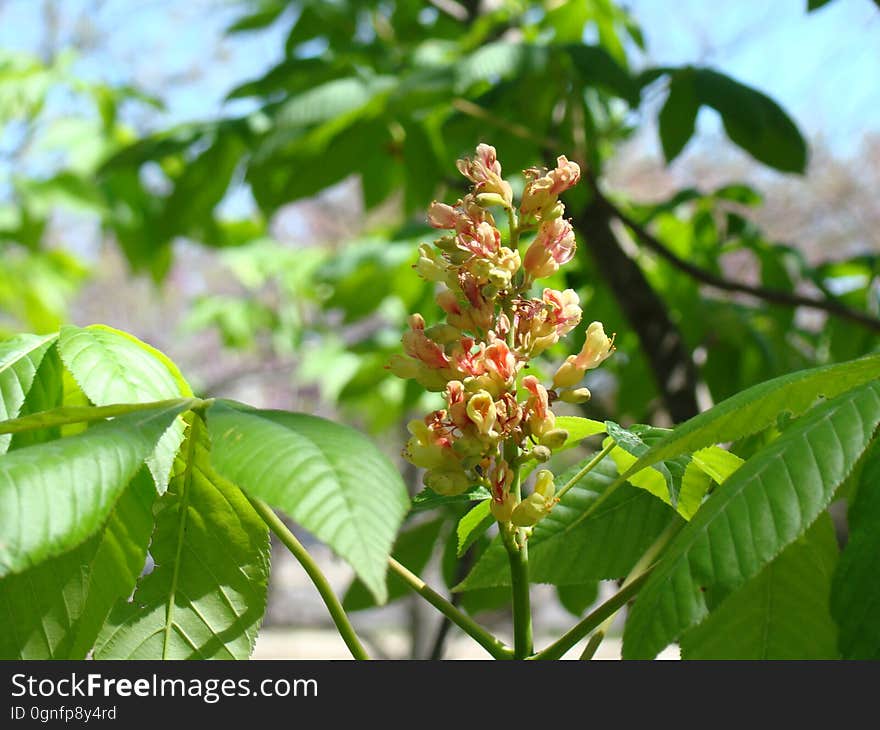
[[667, 353]]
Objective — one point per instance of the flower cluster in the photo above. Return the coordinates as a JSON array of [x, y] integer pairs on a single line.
[[493, 327]]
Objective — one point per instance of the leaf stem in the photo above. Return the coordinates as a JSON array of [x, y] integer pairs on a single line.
[[588, 467], [337, 613], [593, 619], [494, 646], [66, 415]]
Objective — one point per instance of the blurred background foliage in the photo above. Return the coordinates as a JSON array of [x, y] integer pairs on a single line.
[[263, 234]]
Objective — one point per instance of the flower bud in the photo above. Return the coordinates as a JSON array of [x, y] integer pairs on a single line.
[[575, 395], [544, 484], [541, 453], [502, 510], [531, 510], [487, 200], [443, 334], [447, 482], [430, 266], [568, 374], [554, 438]]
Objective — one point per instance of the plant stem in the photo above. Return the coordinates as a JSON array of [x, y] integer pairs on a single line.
[[514, 228], [593, 644], [588, 467], [494, 646], [593, 619], [518, 556], [337, 613], [516, 543]]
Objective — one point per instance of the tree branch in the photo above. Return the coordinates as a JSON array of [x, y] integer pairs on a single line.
[[775, 296]]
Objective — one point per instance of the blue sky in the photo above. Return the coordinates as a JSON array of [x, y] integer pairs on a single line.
[[824, 67]]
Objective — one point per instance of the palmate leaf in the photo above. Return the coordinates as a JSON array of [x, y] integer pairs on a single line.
[[758, 407], [567, 548], [767, 504], [206, 596], [20, 356], [329, 478], [55, 609], [855, 600], [114, 367], [783, 613], [53, 496]]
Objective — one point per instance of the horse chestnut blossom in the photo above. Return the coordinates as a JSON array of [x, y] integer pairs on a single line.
[[495, 419]]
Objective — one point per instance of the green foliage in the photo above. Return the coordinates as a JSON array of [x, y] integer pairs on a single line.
[[780, 614], [55, 495], [80, 504], [20, 358], [855, 600], [315, 471], [752, 120], [759, 407], [767, 504], [206, 596]]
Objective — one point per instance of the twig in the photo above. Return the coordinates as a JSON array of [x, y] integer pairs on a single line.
[[775, 296]]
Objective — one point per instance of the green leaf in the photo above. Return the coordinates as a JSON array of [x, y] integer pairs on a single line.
[[704, 467], [753, 121], [413, 548], [46, 392], [114, 367], [329, 478], [678, 116], [118, 560], [330, 101], [767, 504], [717, 463], [816, 4], [20, 356], [206, 595], [780, 614], [664, 479], [473, 525], [695, 483], [55, 609], [55, 495], [578, 429], [855, 600], [429, 499], [497, 61], [567, 548], [576, 599], [597, 67], [758, 407]]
